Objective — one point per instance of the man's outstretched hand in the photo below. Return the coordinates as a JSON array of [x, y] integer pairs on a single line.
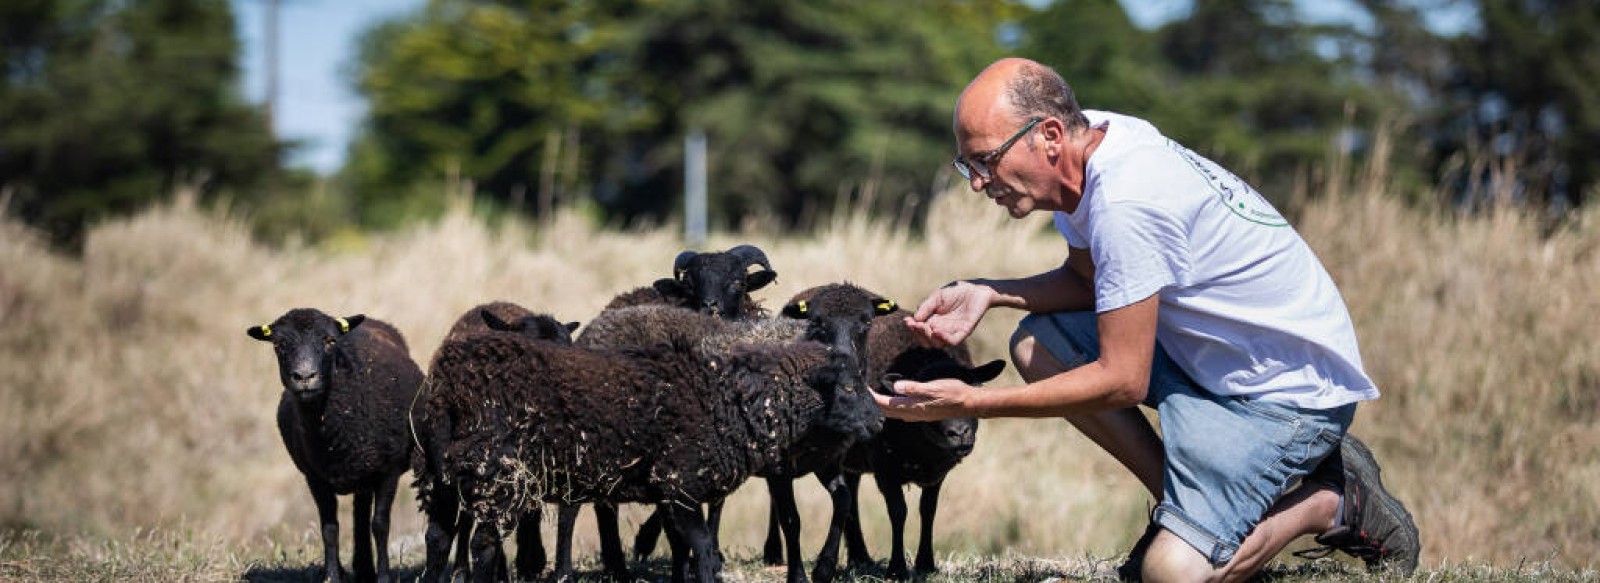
[[948, 316]]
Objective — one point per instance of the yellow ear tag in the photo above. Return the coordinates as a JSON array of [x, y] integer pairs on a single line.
[[886, 306], [801, 305], [266, 331], [344, 325]]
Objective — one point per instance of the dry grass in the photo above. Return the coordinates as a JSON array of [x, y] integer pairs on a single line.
[[131, 399]]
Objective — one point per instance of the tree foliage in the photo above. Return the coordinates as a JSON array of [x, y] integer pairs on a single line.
[[109, 105]]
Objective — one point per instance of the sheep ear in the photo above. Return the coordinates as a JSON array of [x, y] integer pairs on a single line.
[[759, 279], [349, 322], [984, 373], [795, 310], [883, 307], [262, 332], [572, 326], [671, 289], [495, 323]]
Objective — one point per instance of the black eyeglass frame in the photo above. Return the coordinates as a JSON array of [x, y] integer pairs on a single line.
[[983, 164]]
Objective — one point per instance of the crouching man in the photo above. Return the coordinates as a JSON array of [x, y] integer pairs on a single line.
[[1185, 291]]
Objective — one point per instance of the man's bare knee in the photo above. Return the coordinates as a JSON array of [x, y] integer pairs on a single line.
[[1032, 360]]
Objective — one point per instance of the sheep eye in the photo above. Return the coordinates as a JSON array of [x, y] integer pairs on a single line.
[[329, 340]]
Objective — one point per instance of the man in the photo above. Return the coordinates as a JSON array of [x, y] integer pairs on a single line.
[[1183, 290]]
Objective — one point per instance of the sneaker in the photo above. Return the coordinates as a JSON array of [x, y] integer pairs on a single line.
[[1375, 527], [1132, 569]]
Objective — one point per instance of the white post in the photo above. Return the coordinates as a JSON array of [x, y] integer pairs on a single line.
[[694, 188]]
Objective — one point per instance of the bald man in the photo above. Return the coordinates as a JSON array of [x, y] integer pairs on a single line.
[[1183, 290]]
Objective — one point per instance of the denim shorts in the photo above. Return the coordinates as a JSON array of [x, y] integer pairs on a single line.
[[1228, 458]]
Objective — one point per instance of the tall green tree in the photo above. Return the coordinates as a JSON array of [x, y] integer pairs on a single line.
[[801, 101], [109, 105]]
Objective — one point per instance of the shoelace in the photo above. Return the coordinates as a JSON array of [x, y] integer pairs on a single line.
[[1345, 539]]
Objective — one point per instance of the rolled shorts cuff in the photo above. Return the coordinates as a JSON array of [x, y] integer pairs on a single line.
[[1212, 546]]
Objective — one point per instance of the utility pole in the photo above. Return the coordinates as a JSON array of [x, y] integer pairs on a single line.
[[694, 188], [272, 64]]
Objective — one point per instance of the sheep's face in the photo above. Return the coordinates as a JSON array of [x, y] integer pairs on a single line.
[[533, 327], [956, 436], [840, 315], [304, 341], [718, 284], [850, 409]]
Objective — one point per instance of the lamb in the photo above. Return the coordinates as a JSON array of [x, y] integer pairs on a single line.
[[904, 452], [674, 424], [438, 500], [347, 384]]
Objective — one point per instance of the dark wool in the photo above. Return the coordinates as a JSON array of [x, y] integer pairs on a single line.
[[434, 495], [905, 452], [360, 434], [569, 425], [343, 419]]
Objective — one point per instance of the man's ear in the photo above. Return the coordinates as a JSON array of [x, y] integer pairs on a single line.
[[796, 310], [759, 279], [262, 332], [349, 323]]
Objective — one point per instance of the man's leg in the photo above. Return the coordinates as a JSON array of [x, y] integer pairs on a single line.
[[1309, 509], [1123, 433]]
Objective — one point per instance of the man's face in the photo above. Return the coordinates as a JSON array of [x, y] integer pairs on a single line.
[[998, 171]]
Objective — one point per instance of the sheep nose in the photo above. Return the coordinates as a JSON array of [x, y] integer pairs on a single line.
[[303, 376]]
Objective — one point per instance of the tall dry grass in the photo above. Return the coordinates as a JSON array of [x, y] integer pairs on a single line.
[[130, 397]]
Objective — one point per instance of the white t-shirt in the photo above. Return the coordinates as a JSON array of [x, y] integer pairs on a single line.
[[1246, 307]]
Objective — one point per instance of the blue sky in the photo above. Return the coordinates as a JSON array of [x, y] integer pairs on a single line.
[[316, 102]]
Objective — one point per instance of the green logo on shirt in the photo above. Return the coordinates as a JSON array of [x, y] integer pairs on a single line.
[[1236, 194]]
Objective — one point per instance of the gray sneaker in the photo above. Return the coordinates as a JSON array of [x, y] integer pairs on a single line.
[[1376, 527]]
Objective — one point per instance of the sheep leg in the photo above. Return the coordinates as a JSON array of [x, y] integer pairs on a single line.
[[675, 542], [855, 541], [328, 515], [895, 500], [566, 514], [441, 531], [382, 505], [691, 526], [363, 536], [772, 551], [530, 545], [644, 542], [843, 506], [605, 518], [487, 558], [782, 492], [928, 507], [714, 524]]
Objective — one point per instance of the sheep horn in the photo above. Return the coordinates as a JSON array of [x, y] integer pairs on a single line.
[[749, 254], [681, 264]]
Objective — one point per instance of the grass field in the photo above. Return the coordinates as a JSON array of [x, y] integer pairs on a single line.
[[136, 418]]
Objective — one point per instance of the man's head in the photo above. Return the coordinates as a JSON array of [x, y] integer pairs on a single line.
[[1013, 124]]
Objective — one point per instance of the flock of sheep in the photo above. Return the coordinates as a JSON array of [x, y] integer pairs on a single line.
[[673, 396]]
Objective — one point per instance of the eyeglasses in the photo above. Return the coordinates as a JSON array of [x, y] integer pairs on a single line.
[[982, 164]]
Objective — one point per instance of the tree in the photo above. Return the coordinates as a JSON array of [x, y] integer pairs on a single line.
[[802, 101], [1523, 92], [110, 105]]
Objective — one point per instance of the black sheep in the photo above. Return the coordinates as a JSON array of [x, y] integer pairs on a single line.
[[438, 500], [904, 452], [673, 424], [347, 384], [716, 283]]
